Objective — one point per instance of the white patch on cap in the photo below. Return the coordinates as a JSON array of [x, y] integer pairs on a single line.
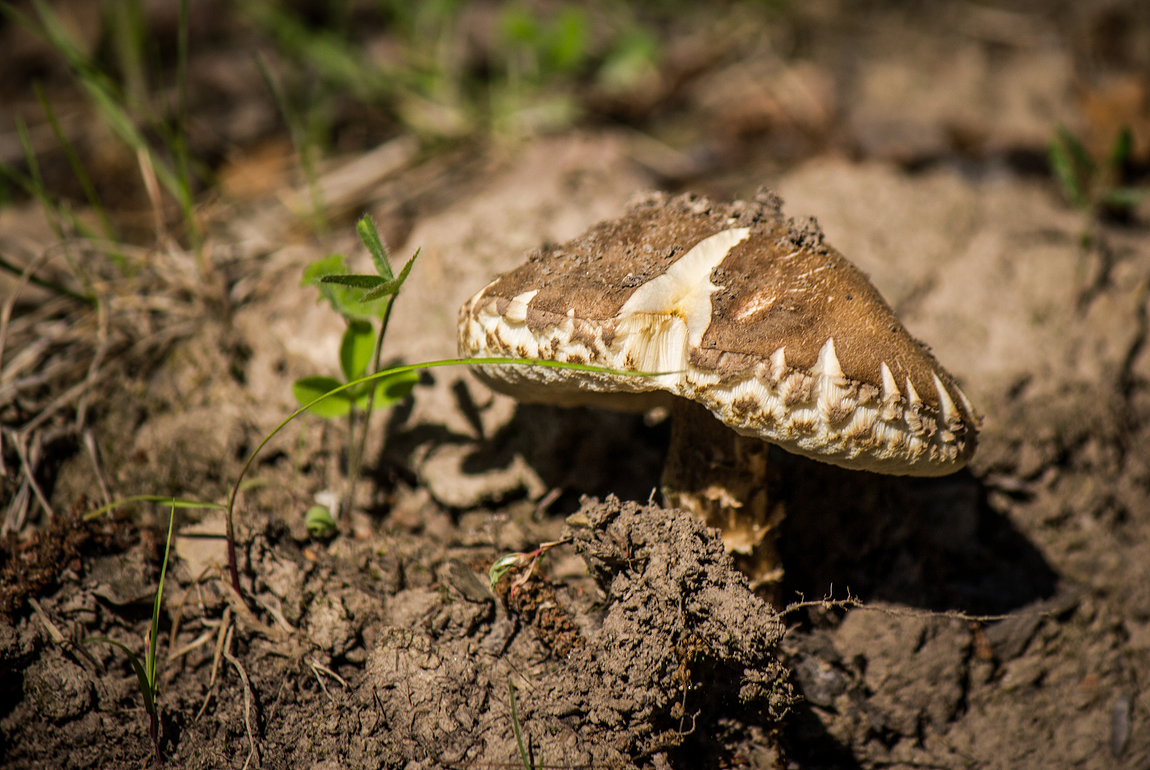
[[517, 308], [685, 289]]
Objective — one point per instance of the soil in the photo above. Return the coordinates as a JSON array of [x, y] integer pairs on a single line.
[[999, 617]]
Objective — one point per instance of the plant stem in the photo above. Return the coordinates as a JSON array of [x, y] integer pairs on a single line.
[[353, 471]]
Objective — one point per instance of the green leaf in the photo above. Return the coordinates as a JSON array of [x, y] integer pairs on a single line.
[[355, 349], [501, 567], [175, 502], [1063, 168], [1123, 148], [150, 668], [345, 300], [1082, 160], [392, 286], [353, 281], [310, 388], [1123, 197], [141, 675], [319, 522], [390, 390], [365, 228], [567, 47]]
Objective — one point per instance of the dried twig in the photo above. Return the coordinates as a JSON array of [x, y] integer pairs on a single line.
[[852, 603], [247, 702]]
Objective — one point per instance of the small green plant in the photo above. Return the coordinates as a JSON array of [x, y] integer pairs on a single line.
[[523, 757], [361, 300], [319, 522], [146, 671], [1094, 187]]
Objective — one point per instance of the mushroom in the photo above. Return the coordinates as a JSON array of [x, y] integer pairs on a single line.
[[747, 318]]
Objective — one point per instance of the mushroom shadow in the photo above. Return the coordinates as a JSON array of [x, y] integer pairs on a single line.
[[933, 543], [579, 451]]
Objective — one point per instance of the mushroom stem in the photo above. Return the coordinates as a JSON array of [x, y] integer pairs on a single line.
[[725, 480]]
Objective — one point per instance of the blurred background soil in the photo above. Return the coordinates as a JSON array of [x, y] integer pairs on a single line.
[[167, 171]]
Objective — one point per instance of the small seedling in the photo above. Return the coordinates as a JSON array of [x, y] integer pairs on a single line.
[[1092, 187], [319, 522], [146, 672], [508, 562], [360, 299], [523, 757]]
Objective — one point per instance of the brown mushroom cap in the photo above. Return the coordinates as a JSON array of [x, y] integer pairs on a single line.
[[754, 317]]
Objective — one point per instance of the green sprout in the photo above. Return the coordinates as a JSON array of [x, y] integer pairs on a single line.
[[146, 671], [360, 299], [319, 522], [1093, 187]]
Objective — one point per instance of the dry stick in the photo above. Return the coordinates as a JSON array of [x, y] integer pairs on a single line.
[[852, 603], [247, 701], [29, 470], [17, 509], [102, 316], [148, 172], [25, 277], [90, 445], [224, 636]]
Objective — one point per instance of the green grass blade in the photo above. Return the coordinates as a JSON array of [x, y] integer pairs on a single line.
[[396, 370], [1124, 197], [18, 270], [1122, 150], [173, 501], [515, 726], [180, 140], [1082, 159], [1063, 168], [77, 166], [141, 675], [150, 668]]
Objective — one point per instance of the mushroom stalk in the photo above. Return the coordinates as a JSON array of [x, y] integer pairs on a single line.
[[725, 480]]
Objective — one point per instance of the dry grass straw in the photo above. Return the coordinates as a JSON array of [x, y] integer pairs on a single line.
[[114, 310]]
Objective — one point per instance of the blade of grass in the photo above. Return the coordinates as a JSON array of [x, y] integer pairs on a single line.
[[1064, 172], [77, 166], [141, 674], [175, 502], [150, 667], [300, 142], [107, 98], [180, 139], [515, 726], [16, 269]]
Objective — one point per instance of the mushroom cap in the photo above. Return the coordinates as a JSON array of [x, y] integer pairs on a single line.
[[751, 315]]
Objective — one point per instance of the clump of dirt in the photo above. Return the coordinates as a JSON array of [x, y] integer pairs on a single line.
[[34, 566], [675, 615]]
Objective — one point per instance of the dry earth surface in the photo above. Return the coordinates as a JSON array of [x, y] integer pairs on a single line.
[[636, 644]]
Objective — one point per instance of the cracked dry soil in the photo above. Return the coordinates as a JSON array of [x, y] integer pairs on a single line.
[[636, 645]]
